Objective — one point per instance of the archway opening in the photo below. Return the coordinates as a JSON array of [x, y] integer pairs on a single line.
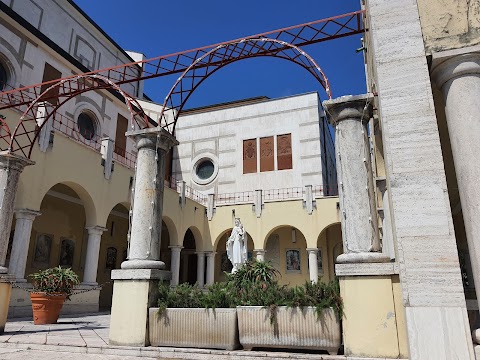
[[330, 246], [113, 251], [188, 259], [286, 250], [222, 263]]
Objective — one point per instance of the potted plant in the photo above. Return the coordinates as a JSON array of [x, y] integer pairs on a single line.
[[51, 287], [190, 317]]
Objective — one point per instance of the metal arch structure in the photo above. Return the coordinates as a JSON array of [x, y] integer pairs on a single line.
[[231, 52], [39, 111], [5, 134], [299, 35], [28, 99]]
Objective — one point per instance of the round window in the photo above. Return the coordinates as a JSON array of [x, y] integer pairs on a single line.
[[3, 77], [205, 169], [86, 125]]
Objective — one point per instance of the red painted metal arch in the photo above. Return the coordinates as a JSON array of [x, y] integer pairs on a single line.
[[226, 54], [39, 112]]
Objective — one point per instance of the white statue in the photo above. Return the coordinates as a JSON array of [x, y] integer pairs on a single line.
[[237, 246]]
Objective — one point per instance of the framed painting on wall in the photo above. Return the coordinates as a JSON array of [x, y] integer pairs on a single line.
[[43, 246], [293, 261]]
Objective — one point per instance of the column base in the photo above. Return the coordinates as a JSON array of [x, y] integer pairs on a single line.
[[134, 291], [143, 264], [373, 321], [5, 292], [3, 270], [363, 257]]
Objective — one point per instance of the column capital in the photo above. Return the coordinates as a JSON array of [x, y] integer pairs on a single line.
[[96, 230], [260, 251], [352, 107], [312, 250], [176, 248], [210, 253], [13, 162], [26, 214], [152, 138], [449, 66]]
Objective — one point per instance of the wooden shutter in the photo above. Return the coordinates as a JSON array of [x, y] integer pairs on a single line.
[[49, 74], [267, 154], [249, 156], [284, 151], [120, 138]]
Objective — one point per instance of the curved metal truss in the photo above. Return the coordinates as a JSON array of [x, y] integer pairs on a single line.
[[40, 111], [5, 134], [223, 55], [38, 106]]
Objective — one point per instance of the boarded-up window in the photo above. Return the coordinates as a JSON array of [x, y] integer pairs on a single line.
[[249, 156], [284, 151], [267, 154], [120, 138], [49, 74]]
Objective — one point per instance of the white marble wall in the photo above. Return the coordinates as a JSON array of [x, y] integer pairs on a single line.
[[422, 225], [220, 132]]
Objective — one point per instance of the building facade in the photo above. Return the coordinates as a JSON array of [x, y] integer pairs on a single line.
[[401, 235]]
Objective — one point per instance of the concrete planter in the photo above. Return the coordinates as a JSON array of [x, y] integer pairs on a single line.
[[295, 329], [200, 328]]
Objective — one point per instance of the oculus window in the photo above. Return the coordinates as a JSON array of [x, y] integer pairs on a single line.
[[3, 77], [86, 125]]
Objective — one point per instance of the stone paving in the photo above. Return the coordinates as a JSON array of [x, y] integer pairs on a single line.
[[86, 338]]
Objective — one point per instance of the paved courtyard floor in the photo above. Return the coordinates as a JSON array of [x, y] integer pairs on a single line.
[[86, 338]]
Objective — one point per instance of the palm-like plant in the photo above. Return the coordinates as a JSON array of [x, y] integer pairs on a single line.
[[55, 281]]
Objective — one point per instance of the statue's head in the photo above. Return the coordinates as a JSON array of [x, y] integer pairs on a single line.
[[237, 221]]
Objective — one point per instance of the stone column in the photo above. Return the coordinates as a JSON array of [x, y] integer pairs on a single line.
[[260, 254], [93, 251], [210, 267], [11, 167], [21, 240], [136, 283], [176, 249], [200, 268], [458, 76], [145, 233], [313, 264], [349, 115]]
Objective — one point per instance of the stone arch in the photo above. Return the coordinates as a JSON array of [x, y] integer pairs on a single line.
[[13, 67], [275, 228], [330, 242], [197, 236], [113, 250], [172, 230]]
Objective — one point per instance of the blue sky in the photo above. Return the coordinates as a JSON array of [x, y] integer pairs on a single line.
[[157, 27]]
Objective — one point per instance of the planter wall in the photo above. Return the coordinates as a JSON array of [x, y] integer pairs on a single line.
[[201, 328], [296, 328]]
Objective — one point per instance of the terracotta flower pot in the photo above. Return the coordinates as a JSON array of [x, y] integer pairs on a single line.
[[46, 308]]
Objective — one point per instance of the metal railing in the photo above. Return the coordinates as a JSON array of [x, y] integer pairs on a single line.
[[235, 198], [69, 128]]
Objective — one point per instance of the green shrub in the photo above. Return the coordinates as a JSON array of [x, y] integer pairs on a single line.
[[254, 284]]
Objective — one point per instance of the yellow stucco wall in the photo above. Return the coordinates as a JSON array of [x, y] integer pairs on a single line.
[[370, 317]]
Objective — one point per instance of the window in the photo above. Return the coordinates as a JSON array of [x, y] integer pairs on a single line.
[[86, 125], [205, 169], [3, 77], [249, 156], [120, 138], [49, 74]]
